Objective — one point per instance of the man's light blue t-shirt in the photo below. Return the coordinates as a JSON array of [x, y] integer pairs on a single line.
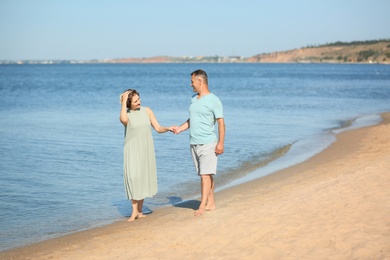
[[203, 115]]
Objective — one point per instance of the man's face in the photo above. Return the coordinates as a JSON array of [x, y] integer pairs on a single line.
[[195, 83]]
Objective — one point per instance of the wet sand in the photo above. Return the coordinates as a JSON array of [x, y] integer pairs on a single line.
[[336, 205]]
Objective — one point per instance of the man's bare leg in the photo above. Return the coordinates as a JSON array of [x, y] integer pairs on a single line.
[[205, 191], [210, 201]]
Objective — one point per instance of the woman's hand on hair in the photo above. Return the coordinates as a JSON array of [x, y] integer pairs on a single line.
[[123, 97]]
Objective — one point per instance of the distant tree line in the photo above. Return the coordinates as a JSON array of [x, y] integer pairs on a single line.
[[339, 43], [355, 43]]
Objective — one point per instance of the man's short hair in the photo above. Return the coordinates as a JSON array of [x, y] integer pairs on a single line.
[[200, 74]]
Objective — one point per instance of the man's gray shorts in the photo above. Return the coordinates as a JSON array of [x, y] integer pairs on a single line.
[[204, 157]]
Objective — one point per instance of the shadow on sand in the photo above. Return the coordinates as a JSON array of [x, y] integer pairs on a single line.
[[188, 204], [125, 209]]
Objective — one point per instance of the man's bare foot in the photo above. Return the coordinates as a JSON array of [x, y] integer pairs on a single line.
[[141, 215], [208, 208], [198, 212]]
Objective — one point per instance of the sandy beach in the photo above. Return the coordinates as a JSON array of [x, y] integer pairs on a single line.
[[336, 205]]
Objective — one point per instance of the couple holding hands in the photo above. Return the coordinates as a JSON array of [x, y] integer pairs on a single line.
[[140, 174]]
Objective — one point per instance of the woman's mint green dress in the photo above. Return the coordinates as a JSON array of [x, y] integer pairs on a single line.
[[140, 174]]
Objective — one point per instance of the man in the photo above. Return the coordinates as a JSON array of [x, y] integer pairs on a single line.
[[205, 110]]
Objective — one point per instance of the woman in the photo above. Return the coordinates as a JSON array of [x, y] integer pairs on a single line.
[[140, 175]]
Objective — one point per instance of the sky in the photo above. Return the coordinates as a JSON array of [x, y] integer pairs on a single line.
[[108, 29]]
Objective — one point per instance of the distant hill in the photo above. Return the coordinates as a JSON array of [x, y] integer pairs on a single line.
[[377, 51]]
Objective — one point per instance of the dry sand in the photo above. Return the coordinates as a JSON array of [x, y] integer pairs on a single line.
[[335, 205]]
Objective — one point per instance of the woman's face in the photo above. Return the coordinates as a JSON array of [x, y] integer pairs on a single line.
[[135, 102]]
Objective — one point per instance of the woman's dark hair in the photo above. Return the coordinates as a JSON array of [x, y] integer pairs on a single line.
[[132, 92]]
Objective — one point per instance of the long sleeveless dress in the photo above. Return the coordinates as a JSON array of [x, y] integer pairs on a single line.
[[140, 174]]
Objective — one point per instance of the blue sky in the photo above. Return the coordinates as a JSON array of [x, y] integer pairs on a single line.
[[98, 29]]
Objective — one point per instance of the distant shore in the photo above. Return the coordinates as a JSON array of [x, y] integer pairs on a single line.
[[333, 206], [365, 52]]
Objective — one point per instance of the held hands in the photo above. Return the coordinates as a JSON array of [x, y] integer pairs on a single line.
[[171, 128], [174, 129]]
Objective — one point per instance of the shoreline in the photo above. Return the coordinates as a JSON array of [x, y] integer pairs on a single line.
[[331, 205]]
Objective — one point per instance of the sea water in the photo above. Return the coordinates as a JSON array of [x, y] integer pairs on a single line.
[[61, 141]]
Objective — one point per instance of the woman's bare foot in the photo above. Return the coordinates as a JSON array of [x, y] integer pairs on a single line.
[[134, 216]]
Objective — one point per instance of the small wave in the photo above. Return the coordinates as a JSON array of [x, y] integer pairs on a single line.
[[358, 122], [248, 166]]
